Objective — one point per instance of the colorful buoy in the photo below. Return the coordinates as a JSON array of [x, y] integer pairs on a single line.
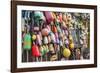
[[35, 51], [27, 41], [71, 45], [66, 52], [34, 37]]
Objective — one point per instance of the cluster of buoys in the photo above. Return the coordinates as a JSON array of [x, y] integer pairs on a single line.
[[51, 36]]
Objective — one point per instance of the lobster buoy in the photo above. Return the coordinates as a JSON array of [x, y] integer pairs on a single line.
[[54, 29], [49, 39], [43, 50], [64, 25], [37, 14], [69, 17], [27, 41], [71, 45], [42, 17], [36, 28], [48, 27], [38, 39], [64, 17], [61, 35], [53, 39], [57, 40], [35, 51], [61, 43], [66, 52], [66, 41], [66, 32], [78, 53], [34, 37], [53, 15], [56, 35], [70, 38], [45, 32], [60, 17], [59, 29], [45, 40], [40, 34], [48, 16], [51, 48]]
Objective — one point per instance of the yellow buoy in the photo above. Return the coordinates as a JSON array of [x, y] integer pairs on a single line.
[[70, 38], [33, 37], [66, 52], [71, 45]]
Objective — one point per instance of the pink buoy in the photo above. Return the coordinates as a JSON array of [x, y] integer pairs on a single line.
[[45, 32], [66, 32], [48, 16], [38, 39]]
